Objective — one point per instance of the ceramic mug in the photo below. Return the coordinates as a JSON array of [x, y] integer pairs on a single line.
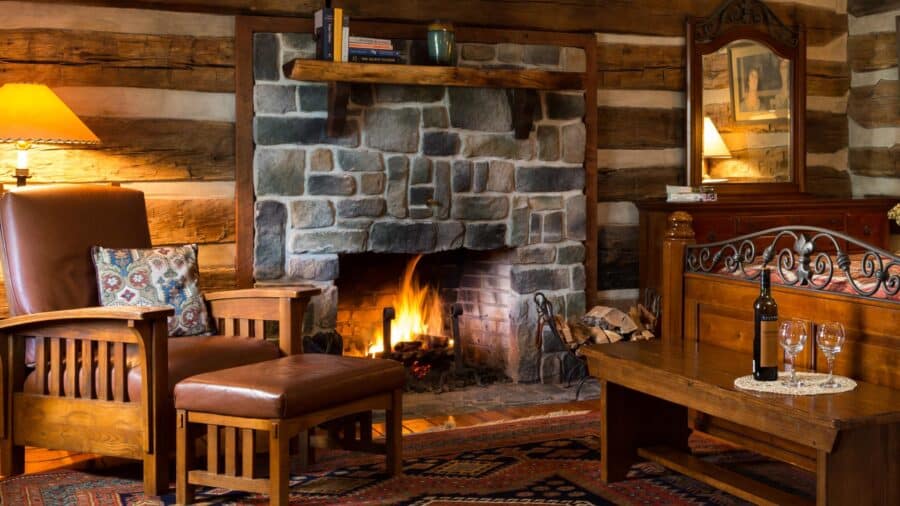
[[441, 43]]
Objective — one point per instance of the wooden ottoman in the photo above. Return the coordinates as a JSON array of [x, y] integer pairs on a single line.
[[284, 398]]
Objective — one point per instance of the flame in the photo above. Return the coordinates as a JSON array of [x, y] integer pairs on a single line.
[[417, 308]]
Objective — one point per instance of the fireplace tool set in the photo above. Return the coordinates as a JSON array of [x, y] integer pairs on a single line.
[[577, 365]]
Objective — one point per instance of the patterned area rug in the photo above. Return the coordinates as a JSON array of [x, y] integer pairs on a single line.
[[543, 462]]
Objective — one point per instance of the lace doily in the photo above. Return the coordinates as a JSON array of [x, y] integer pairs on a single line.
[[810, 384]]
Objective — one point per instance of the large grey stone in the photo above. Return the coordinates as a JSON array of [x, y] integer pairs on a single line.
[[574, 59], [421, 195], [576, 218], [440, 143], [518, 235], [537, 224], [553, 226], [330, 184], [313, 97], [321, 160], [549, 179], [578, 277], [548, 142], [355, 208], [485, 236], [545, 202], [268, 250], [573, 142], [398, 237], [421, 171], [313, 267], [484, 109], [501, 177], [420, 213], [576, 305], [354, 160], [271, 130], [398, 175], [312, 213], [266, 57], [394, 93], [570, 254], [435, 117], [329, 241], [565, 106], [480, 179], [535, 254], [510, 53], [461, 180], [617, 257], [450, 235], [542, 55], [477, 52], [394, 130], [355, 223], [472, 207], [499, 146], [274, 98], [372, 183], [442, 189], [279, 171], [299, 42], [527, 279]]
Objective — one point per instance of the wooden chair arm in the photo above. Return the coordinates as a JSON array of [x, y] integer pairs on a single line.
[[264, 293], [10, 324]]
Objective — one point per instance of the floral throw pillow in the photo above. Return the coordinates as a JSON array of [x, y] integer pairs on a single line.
[[164, 276]]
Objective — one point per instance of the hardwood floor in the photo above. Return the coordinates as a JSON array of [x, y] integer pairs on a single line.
[[39, 460]]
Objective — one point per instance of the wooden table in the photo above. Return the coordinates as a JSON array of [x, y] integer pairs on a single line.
[[648, 388]]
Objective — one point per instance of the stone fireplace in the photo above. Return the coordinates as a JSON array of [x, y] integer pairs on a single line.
[[423, 170]]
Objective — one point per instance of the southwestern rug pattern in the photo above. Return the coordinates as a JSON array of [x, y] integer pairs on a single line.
[[543, 462]]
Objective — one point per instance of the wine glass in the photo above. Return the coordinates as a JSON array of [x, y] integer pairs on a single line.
[[830, 339], [792, 337]]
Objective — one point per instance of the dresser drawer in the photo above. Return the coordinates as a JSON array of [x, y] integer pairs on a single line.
[[713, 228], [750, 224], [870, 228]]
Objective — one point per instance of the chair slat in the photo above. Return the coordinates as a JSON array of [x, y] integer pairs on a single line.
[[260, 329], [248, 451], [71, 375], [231, 451], [40, 357], [119, 371], [103, 366], [87, 369], [229, 327], [55, 367], [212, 448], [244, 326]]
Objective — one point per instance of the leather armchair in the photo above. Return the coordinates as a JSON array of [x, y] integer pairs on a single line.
[[80, 377]]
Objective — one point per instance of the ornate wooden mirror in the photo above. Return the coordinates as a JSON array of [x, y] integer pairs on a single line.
[[746, 101]]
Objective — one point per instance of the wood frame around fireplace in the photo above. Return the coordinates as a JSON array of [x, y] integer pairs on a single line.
[[247, 26]]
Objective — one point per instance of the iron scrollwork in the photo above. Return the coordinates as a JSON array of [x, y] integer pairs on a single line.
[[811, 259]]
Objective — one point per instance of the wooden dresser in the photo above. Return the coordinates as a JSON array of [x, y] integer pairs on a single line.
[[863, 219]]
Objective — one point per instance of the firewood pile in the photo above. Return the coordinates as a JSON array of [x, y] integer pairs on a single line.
[[604, 324]]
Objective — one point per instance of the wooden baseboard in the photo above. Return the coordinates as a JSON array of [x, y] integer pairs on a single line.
[[721, 478]]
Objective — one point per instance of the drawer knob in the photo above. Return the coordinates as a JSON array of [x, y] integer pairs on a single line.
[[710, 237], [867, 230]]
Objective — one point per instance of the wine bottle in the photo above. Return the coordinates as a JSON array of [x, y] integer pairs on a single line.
[[765, 336]]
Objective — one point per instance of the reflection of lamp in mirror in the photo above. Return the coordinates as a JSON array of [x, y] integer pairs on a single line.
[[713, 146], [33, 114]]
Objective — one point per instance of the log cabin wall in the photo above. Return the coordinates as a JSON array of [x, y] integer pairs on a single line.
[[158, 89], [873, 114]]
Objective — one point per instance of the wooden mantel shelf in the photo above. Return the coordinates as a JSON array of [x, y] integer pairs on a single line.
[[316, 70], [524, 84]]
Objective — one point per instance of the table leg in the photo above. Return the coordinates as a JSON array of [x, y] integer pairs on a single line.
[[862, 468], [630, 420]]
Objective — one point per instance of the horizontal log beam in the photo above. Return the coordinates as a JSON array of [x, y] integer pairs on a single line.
[[876, 162], [637, 183], [629, 66], [826, 132], [876, 106], [872, 51], [828, 182], [197, 220], [866, 7], [827, 78], [89, 58], [633, 127], [138, 150]]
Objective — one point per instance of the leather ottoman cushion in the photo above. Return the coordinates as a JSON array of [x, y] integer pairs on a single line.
[[289, 386]]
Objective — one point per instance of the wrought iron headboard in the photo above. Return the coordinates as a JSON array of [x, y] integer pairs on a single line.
[[803, 264]]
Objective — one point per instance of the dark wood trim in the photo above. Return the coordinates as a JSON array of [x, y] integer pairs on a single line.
[[246, 26], [797, 55]]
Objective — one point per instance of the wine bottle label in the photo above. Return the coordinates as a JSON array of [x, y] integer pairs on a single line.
[[768, 349]]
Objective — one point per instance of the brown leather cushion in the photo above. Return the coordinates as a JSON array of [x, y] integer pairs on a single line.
[[47, 235], [289, 386], [189, 356]]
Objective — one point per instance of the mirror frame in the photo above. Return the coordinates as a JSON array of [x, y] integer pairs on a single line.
[[746, 20]]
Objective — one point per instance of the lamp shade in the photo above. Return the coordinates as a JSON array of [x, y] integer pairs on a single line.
[[713, 145], [32, 113]]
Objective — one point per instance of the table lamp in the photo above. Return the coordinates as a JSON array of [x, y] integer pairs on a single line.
[[713, 145], [33, 114]]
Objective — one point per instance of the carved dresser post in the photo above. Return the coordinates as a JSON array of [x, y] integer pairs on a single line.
[[679, 234]]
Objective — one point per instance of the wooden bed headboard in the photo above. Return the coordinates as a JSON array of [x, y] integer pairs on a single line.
[[702, 299]]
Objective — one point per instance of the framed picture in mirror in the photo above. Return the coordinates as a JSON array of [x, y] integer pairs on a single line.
[[760, 83]]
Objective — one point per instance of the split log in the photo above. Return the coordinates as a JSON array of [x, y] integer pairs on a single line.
[[876, 162], [827, 78], [876, 106], [638, 183], [866, 7], [872, 51], [199, 220], [637, 127], [826, 132], [639, 67]]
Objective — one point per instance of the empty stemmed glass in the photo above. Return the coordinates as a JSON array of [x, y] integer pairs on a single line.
[[792, 337], [830, 339]]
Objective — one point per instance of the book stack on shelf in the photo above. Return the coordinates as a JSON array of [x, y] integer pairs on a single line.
[[369, 50], [332, 29]]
